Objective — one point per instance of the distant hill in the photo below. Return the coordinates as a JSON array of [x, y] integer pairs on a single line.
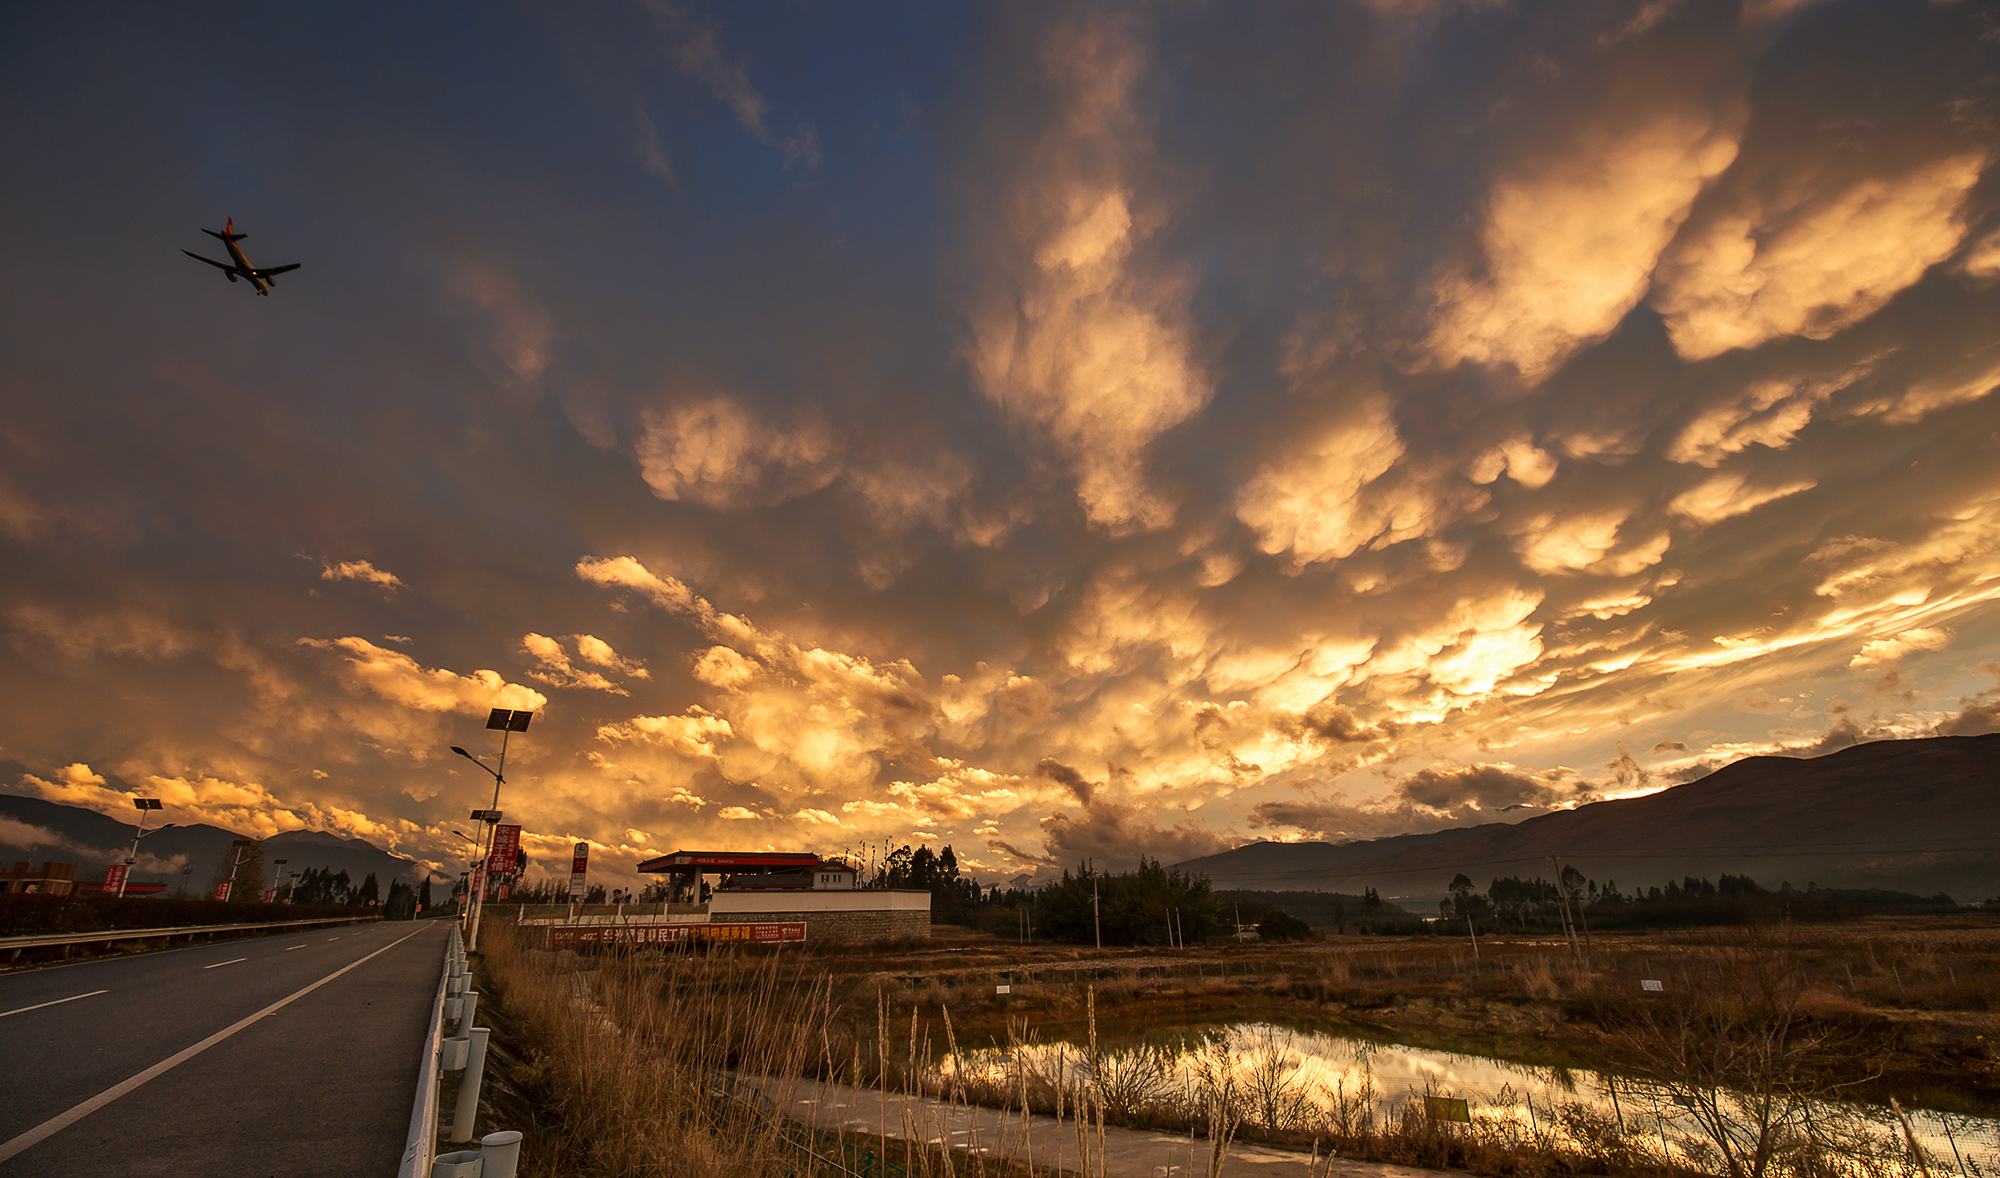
[[72, 834], [1911, 815], [1318, 867]]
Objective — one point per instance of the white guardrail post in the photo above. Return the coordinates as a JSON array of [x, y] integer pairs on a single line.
[[499, 1152], [468, 1087]]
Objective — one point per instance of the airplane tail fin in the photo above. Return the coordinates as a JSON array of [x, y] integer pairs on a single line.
[[228, 232]]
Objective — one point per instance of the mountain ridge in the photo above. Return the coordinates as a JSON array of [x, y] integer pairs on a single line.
[[1893, 814], [92, 840]]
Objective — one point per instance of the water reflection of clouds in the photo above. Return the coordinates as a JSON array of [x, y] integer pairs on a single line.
[[1324, 1071]]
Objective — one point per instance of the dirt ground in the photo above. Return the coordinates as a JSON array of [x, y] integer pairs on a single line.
[[1917, 997]]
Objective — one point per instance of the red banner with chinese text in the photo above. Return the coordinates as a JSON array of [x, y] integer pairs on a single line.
[[506, 848], [576, 936]]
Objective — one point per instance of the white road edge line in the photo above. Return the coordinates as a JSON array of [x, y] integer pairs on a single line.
[[220, 964], [295, 947], [57, 1124], [57, 1002]]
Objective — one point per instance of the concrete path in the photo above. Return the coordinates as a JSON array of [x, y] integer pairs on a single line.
[[1040, 1142], [290, 1054]]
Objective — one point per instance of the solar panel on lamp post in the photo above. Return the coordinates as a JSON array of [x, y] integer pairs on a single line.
[[506, 721]]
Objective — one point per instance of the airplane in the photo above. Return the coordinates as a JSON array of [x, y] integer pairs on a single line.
[[263, 280]]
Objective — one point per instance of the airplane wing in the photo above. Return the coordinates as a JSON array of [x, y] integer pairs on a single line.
[[210, 261], [277, 270]]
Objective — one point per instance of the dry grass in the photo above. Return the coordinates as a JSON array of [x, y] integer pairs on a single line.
[[656, 1031], [633, 1062]]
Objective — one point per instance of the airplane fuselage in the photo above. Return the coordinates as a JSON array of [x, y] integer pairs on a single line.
[[244, 267]]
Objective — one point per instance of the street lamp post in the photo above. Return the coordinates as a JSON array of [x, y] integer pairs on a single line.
[[235, 865], [507, 722], [465, 912], [145, 806]]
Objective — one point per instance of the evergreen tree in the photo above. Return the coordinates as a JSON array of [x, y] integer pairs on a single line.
[[369, 892], [1131, 909]]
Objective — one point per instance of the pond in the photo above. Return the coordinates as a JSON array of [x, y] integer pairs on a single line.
[[1313, 1078]]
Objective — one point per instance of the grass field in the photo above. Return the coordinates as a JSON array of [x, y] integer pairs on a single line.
[[1901, 1008]]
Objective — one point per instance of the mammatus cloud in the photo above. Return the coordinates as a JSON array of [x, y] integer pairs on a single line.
[[1327, 496], [1722, 496], [1810, 259], [1075, 333], [1570, 242], [1112, 837], [1768, 413], [716, 453]]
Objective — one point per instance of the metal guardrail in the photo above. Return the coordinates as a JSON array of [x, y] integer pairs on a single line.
[[44, 940], [497, 1154], [421, 1146]]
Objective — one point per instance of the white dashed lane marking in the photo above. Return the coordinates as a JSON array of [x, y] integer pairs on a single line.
[[57, 1002]]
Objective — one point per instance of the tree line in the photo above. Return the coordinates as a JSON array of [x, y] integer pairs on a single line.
[[1512, 902]]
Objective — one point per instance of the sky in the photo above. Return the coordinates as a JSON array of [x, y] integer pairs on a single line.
[[1058, 431]]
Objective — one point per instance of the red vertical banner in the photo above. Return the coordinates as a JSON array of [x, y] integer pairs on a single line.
[[114, 879], [478, 883], [579, 865], [506, 849], [270, 895], [222, 890]]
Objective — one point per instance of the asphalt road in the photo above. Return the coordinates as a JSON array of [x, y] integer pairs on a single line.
[[321, 1085]]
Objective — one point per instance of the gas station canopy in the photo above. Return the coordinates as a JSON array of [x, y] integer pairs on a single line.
[[729, 862]]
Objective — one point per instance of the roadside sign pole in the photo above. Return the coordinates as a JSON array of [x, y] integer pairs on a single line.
[[579, 865]]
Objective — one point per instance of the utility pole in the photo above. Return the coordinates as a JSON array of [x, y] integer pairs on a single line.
[[1095, 926], [1562, 904]]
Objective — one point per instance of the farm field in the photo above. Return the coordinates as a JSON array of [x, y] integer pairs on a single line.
[[1797, 1036]]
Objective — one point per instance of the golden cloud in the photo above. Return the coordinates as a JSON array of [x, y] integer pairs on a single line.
[[1073, 337], [1809, 262], [1570, 243]]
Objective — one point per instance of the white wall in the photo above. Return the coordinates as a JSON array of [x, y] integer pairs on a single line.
[[789, 900]]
